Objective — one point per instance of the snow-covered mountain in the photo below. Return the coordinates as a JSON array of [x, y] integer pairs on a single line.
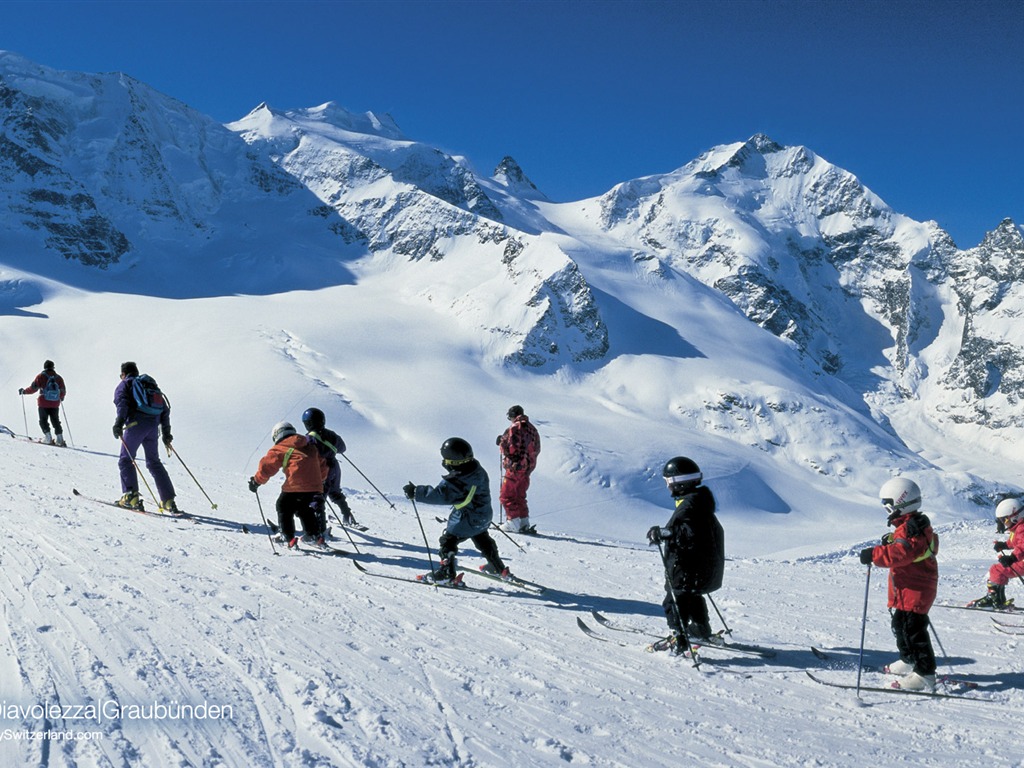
[[759, 310], [759, 303], [106, 182]]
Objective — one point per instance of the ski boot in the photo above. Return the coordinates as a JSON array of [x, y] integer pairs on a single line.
[[916, 682], [131, 500], [168, 507], [504, 573], [995, 599], [445, 575], [673, 643]]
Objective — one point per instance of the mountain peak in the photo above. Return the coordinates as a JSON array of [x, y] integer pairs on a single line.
[[510, 175], [1006, 236], [763, 144]]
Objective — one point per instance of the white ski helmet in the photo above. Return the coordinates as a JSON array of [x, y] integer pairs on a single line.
[[900, 496], [282, 430], [1009, 512]]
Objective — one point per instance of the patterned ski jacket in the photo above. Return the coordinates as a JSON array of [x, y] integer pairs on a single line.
[[39, 385], [304, 468], [909, 554], [468, 491], [519, 445]]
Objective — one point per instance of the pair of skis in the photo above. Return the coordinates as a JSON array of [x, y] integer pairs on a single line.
[[715, 642], [166, 515], [459, 585], [898, 690]]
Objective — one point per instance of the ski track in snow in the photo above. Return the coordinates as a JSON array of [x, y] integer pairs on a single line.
[[323, 666]]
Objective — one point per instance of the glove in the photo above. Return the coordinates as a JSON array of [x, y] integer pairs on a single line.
[[999, 546], [253, 485], [22, 392], [1007, 560], [866, 555], [118, 429], [654, 535], [410, 490], [498, 440], [167, 438]]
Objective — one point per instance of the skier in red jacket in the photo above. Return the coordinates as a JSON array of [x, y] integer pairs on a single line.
[[302, 493], [519, 446], [1010, 565], [909, 554], [50, 386]]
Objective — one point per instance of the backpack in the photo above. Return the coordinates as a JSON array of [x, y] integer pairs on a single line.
[[148, 397], [51, 390]]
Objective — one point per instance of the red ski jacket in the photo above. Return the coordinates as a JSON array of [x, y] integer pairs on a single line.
[[909, 554], [304, 468], [39, 383]]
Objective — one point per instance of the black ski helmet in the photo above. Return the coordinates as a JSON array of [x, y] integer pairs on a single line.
[[455, 451], [515, 410], [681, 474], [313, 419]]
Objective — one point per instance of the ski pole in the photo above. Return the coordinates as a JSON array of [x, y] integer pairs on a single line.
[[138, 472], [378, 490], [430, 559], [945, 656], [67, 424], [172, 449], [264, 518], [720, 616], [501, 474], [675, 605], [505, 533], [342, 524], [24, 414], [863, 627]]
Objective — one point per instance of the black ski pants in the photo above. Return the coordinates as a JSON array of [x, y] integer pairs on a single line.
[[449, 547], [48, 415], [692, 609], [306, 505], [912, 640]]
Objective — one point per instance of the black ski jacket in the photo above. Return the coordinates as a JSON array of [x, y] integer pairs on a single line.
[[695, 551]]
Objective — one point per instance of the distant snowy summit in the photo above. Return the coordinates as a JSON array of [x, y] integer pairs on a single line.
[[509, 175]]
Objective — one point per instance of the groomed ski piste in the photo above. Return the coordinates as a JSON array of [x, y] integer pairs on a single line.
[[304, 661]]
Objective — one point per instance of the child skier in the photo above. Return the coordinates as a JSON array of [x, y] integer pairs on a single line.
[[909, 554], [329, 444], [302, 492], [1009, 519], [467, 488], [693, 553]]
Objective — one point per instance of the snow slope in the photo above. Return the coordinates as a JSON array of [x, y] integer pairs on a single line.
[[316, 664]]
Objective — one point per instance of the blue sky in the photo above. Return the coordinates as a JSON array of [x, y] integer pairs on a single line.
[[921, 100]]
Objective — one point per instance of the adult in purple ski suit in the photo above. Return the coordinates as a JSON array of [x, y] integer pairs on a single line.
[[134, 428]]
